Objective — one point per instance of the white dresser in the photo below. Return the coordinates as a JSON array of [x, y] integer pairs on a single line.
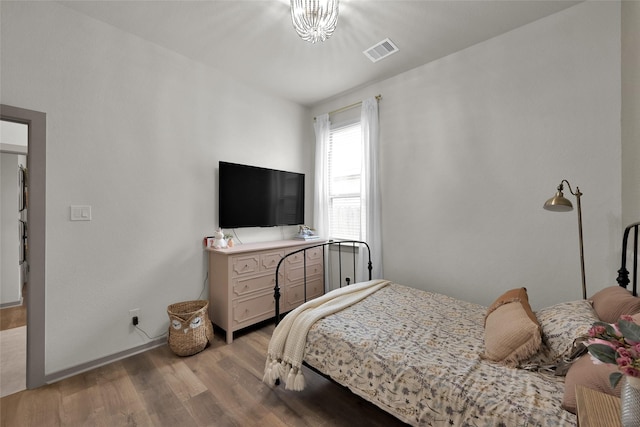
[[242, 279]]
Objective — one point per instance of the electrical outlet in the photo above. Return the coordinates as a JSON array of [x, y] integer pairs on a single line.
[[134, 312]]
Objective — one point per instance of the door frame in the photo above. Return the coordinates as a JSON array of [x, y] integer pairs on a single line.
[[36, 252]]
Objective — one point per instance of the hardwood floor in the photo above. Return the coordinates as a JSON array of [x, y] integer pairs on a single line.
[[221, 386], [14, 317], [13, 348], [13, 360]]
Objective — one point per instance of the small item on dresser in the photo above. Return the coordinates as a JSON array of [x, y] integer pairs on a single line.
[[208, 241], [219, 241], [306, 233]]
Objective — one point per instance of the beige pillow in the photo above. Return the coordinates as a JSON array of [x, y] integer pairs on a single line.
[[612, 302], [586, 373], [512, 333]]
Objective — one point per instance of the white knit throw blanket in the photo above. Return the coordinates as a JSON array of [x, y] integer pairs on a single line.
[[286, 348]]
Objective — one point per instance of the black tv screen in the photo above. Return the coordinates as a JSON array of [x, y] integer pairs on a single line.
[[251, 196]]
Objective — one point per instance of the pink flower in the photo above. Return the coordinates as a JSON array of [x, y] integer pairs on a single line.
[[624, 361], [627, 317], [633, 372], [623, 352]]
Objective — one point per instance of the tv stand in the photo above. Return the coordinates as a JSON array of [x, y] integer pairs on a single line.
[[242, 278]]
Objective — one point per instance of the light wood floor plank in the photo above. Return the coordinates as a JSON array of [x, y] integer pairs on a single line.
[[162, 405], [221, 386], [14, 317], [184, 383], [13, 360], [206, 411]]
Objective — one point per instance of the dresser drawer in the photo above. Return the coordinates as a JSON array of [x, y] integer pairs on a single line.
[[255, 262], [244, 285], [252, 310], [245, 264], [313, 255], [295, 294], [295, 274], [269, 261]]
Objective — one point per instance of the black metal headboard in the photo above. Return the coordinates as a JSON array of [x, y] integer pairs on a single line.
[[353, 244], [623, 273]]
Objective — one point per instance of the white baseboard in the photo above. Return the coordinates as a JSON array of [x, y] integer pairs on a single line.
[[11, 304], [84, 367]]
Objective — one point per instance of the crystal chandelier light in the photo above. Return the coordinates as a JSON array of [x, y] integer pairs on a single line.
[[314, 20]]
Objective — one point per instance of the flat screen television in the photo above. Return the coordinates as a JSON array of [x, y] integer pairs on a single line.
[[251, 196]]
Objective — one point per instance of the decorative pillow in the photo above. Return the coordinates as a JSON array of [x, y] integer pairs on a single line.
[[612, 302], [564, 322], [588, 374], [512, 333]]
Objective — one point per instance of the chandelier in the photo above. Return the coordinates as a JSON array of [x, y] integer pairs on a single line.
[[314, 20]]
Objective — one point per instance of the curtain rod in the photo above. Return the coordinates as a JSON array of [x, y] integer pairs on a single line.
[[348, 107]]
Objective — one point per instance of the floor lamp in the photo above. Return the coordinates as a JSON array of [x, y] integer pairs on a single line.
[[559, 203]]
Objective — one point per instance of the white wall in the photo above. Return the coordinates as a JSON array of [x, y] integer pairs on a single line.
[[474, 143], [630, 112], [13, 137], [136, 132]]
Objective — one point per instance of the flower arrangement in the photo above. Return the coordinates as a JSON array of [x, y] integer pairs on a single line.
[[617, 344]]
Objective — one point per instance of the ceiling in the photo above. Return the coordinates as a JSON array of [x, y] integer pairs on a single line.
[[255, 41]]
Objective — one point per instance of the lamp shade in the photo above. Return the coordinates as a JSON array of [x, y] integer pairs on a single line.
[[558, 203]]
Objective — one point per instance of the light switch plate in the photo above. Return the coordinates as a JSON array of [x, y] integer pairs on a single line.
[[80, 213]]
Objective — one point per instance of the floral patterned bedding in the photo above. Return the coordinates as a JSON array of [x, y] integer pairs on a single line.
[[417, 354]]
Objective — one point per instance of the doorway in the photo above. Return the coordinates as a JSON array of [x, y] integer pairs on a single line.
[[34, 251], [14, 268]]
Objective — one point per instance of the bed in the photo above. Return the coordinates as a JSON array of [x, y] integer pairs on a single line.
[[429, 359]]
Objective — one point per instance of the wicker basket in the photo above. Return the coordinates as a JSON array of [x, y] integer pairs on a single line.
[[190, 330]]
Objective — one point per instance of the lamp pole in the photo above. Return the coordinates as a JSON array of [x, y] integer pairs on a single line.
[[584, 283], [559, 203]]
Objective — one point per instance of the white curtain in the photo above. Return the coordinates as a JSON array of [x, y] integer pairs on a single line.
[[322, 128], [370, 203]]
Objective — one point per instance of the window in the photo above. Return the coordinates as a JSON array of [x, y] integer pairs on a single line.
[[345, 170]]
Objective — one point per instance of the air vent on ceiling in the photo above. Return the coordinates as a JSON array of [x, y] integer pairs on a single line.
[[381, 50]]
